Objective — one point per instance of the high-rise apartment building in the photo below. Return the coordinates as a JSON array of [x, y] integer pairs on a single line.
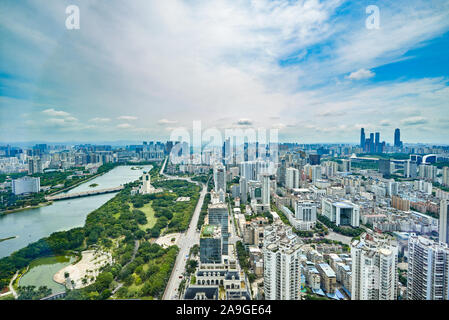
[[266, 190], [243, 190], [446, 176], [292, 178], [34, 165], [428, 269], [443, 223], [282, 273], [374, 268]]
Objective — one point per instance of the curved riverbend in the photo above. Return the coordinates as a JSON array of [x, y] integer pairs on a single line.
[[31, 225]]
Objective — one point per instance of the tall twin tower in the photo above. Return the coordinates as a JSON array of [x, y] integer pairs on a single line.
[[373, 144]]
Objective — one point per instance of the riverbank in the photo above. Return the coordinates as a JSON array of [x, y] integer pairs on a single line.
[[40, 205], [47, 203]]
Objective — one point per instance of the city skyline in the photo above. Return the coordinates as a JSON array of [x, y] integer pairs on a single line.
[[313, 70]]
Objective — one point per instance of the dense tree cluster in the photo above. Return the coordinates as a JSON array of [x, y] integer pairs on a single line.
[[346, 231], [31, 293], [56, 243], [203, 211], [116, 227]]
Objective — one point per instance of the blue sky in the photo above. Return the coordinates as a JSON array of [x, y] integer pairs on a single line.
[[136, 70]]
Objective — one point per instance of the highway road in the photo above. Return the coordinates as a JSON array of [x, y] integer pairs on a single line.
[[185, 242]]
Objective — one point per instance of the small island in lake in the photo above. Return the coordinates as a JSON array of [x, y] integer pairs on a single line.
[[93, 185]]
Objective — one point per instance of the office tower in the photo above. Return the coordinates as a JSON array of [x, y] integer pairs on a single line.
[[343, 213], [371, 143], [282, 173], [266, 190], [210, 244], [377, 143], [219, 178], [362, 139], [292, 178], [168, 147], [367, 145], [26, 185], [446, 176], [282, 273], [228, 153], [443, 223], [397, 138], [374, 268], [385, 167], [314, 159], [218, 216], [428, 269]]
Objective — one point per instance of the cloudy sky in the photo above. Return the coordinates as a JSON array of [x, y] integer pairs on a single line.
[[137, 69]]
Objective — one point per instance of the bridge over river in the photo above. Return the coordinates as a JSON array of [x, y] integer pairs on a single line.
[[64, 196]]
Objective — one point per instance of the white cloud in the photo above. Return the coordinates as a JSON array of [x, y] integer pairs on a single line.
[[414, 121], [210, 60], [166, 121], [100, 120], [127, 118], [124, 126], [361, 74], [56, 113]]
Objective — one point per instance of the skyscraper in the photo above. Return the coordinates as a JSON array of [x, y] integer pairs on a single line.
[[397, 138], [362, 138], [243, 190], [210, 244], [374, 268], [377, 143], [446, 176], [444, 228], [266, 189], [218, 216], [428, 269], [219, 177], [292, 178]]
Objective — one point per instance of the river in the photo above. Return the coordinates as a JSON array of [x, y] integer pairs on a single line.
[[33, 224]]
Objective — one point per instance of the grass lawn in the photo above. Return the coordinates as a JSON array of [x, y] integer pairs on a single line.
[[149, 213], [7, 297]]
